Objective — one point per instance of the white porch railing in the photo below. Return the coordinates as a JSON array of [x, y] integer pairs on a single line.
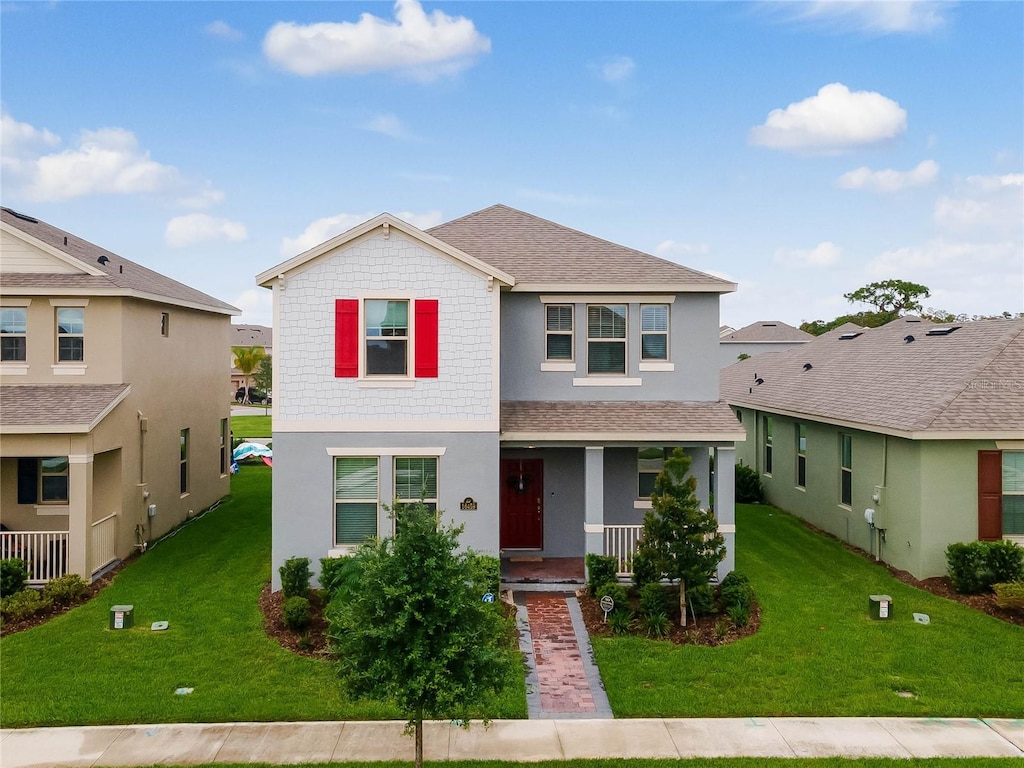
[[45, 553], [620, 542], [104, 542]]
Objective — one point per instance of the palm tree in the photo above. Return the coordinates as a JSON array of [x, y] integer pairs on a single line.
[[247, 359]]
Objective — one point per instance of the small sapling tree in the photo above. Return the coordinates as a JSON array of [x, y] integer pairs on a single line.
[[680, 540], [414, 632]]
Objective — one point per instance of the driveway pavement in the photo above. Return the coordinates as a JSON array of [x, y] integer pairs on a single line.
[[520, 740]]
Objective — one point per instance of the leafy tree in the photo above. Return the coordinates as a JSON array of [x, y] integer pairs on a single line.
[[415, 632], [891, 297], [263, 378], [246, 360], [680, 540]]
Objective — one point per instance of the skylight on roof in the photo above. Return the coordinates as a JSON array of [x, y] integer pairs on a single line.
[[850, 335], [942, 330]]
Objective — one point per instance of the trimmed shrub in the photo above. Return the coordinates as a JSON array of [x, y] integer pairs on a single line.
[[296, 613], [64, 590], [484, 573], [748, 485], [1005, 561], [701, 599], [618, 593], [12, 576], [653, 600], [22, 604], [736, 592], [295, 576], [644, 570], [600, 570], [1010, 595]]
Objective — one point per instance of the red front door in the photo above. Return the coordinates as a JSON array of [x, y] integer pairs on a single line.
[[522, 504]]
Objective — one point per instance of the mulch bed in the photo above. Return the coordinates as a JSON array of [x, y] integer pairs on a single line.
[[311, 643]]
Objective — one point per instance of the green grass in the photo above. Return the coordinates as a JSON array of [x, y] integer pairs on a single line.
[[205, 581], [818, 652], [251, 426]]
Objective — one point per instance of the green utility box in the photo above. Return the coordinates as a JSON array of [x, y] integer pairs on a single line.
[[880, 607], [122, 616]]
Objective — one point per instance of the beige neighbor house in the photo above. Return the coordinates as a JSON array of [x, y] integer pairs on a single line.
[[920, 423], [758, 338], [113, 423]]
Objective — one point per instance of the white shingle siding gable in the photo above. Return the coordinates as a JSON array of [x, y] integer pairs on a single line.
[[377, 265]]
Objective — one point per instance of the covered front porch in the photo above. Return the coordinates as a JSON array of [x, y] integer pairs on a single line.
[[576, 478]]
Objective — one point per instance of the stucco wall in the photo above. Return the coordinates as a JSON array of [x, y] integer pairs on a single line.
[[303, 493], [693, 349], [394, 267]]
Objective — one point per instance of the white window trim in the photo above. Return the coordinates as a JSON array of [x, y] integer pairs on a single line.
[[607, 380], [624, 340], [369, 453], [69, 369], [390, 379], [571, 334], [652, 365], [13, 369], [365, 454], [667, 333], [564, 366]]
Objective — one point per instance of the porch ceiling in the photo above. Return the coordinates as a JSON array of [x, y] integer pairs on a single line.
[[57, 408], [618, 421]]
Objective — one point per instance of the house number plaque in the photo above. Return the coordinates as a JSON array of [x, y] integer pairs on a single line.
[[468, 504]]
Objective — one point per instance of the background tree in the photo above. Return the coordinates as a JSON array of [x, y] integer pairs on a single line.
[[246, 360], [680, 540], [263, 377], [415, 631], [891, 297]]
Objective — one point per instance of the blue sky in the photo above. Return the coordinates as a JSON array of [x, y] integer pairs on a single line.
[[799, 149]]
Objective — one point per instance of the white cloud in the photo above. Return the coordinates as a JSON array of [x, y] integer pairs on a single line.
[[257, 305], [422, 45], [835, 120], [990, 206], [222, 30], [823, 254], [203, 198], [669, 249], [873, 16], [324, 229], [387, 124], [20, 143], [617, 69], [889, 181], [992, 183], [193, 228]]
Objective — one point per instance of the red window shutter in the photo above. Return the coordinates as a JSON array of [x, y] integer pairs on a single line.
[[346, 338], [990, 495], [426, 338]]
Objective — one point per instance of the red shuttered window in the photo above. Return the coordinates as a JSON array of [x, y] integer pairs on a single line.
[[426, 339], [990, 495], [346, 338]]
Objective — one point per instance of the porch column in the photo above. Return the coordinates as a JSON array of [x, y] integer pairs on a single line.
[[593, 498], [80, 468], [725, 504], [700, 468]]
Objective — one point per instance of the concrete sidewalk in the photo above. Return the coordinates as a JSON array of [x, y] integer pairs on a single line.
[[510, 740]]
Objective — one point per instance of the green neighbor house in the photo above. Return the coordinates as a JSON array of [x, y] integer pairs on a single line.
[[899, 440]]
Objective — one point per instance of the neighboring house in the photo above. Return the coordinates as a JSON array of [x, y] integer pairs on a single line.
[[521, 376], [921, 423], [758, 338], [725, 330], [113, 422], [248, 336]]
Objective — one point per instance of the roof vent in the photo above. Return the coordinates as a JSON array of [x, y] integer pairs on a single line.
[[769, 325], [102, 259], [65, 239], [911, 319], [22, 216], [807, 366], [759, 382], [942, 330], [908, 339], [850, 335]]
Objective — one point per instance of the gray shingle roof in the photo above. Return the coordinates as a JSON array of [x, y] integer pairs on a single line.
[[538, 251], [121, 275], [252, 336], [767, 330], [42, 405], [971, 380], [661, 420]]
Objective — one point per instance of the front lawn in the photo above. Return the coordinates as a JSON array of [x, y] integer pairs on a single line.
[[818, 652], [205, 581], [250, 426]]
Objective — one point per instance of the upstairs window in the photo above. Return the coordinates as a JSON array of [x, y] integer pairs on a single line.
[[12, 334], [225, 446], [558, 331], [53, 480], [801, 455], [387, 337], [650, 463], [846, 470], [606, 338], [355, 500], [183, 450], [70, 334], [165, 324], [654, 332], [767, 445]]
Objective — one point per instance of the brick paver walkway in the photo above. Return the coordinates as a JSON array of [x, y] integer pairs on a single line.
[[563, 682]]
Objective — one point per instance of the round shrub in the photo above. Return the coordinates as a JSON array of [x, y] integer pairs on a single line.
[[22, 604], [600, 570], [64, 590], [12, 576], [653, 600], [748, 485], [701, 599], [297, 613], [618, 593], [736, 592]]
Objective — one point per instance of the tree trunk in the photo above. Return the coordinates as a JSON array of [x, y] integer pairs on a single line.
[[419, 742], [682, 603]]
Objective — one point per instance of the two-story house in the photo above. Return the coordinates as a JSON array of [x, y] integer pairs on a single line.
[[523, 377], [114, 420]]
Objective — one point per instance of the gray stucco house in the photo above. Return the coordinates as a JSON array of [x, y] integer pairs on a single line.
[[920, 423], [524, 377]]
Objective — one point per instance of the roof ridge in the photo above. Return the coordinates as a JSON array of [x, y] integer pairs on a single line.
[[980, 365]]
